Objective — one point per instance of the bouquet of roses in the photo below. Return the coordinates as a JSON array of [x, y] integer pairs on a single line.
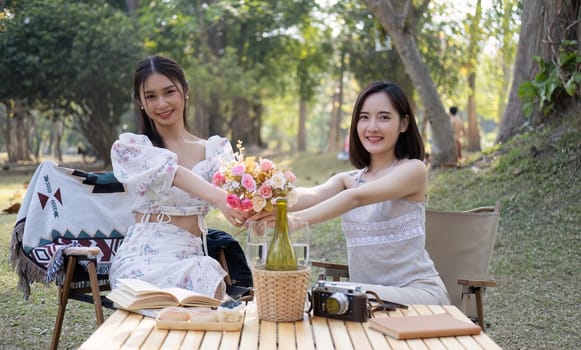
[[254, 184]]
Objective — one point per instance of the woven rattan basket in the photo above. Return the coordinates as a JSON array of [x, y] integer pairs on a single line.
[[280, 295]]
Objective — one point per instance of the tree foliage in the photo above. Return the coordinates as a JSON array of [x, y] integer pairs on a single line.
[[554, 27], [73, 57]]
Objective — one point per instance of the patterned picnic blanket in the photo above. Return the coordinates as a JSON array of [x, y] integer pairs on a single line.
[[66, 207]]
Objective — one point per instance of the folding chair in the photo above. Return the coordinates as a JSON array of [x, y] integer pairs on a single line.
[[460, 243], [62, 240]]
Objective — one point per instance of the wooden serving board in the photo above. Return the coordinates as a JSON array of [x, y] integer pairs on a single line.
[[200, 326]]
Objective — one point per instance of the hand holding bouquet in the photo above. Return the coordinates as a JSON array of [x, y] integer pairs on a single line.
[[254, 184]]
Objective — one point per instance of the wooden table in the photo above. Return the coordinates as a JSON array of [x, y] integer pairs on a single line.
[[124, 330]]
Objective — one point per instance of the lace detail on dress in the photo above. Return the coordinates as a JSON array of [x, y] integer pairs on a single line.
[[371, 233]]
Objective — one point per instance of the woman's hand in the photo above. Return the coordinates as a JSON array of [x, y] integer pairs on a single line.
[[234, 216]]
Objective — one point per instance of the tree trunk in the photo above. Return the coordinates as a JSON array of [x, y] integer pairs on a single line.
[[544, 24], [132, 6], [256, 136], [302, 132], [217, 124], [241, 123], [334, 141], [56, 133], [18, 146], [200, 125], [443, 148], [507, 56], [5, 124], [473, 133]]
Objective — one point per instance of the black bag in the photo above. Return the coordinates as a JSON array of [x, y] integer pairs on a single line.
[[239, 270]]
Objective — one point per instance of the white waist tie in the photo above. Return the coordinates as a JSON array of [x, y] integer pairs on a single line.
[[163, 218]]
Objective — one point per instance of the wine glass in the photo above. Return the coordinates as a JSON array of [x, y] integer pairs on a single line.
[[258, 236], [300, 237]]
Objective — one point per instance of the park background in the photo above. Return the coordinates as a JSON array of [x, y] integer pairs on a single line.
[[282, 77]]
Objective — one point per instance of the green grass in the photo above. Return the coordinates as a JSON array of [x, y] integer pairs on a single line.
[[536, 263]]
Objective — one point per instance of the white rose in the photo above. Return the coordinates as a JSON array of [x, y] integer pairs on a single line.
[[292, 197], [278, 180], [258, 203]]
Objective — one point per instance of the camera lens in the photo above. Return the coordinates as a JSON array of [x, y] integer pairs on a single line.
[[337, 304]]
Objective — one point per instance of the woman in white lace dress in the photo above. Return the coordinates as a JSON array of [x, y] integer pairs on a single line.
[[167, 170], [382, 203]]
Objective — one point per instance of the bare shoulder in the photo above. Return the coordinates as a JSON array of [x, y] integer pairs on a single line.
[[413, 165]]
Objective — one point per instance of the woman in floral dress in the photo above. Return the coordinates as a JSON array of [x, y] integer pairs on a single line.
[[167, 170]]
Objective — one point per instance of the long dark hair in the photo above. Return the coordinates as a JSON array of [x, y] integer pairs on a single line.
[[174, 72], [409, 143]]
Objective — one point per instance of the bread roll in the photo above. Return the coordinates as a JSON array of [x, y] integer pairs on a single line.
[[203, 315], [174, 314]]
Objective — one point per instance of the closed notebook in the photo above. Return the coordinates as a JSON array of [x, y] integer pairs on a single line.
[[423, 326]]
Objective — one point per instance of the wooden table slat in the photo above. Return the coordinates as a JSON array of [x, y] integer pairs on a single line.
[[434, 344], [193, 340], [304, 334], [140, 333], [230, 340], [124, 330], [358, 336], [211, 340], [249, 339], [287, 339], [173, 340], [321, 333], [155, 339], [376, 339], [267, 335], [340, 336], [95, 341]]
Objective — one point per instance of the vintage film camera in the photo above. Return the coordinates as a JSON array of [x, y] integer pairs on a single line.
[[344, 302]]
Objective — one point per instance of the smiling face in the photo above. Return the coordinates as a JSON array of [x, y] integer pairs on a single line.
[[162, 100], [379, 124]]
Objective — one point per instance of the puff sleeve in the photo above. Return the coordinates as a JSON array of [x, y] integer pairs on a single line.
[[218, 152], [146, 170]]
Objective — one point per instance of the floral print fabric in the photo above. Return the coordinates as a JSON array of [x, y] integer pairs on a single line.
[[160, 252]]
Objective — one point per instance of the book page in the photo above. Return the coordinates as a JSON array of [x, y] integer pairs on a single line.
[[133, 293], [138, 287], [188, 297]]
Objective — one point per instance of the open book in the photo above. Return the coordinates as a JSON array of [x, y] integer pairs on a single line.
[[134, 294], [423, 326]]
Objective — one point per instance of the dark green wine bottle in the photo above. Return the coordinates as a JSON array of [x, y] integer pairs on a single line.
[[281, 255]]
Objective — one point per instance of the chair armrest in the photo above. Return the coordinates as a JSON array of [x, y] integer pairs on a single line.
[[480, 210], [477, 283], [89, 252], [325, 265], [335, 271]]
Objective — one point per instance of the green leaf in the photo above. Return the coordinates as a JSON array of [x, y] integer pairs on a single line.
[[571, 84]]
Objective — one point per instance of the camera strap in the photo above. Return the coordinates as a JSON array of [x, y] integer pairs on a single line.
[[377, 304]]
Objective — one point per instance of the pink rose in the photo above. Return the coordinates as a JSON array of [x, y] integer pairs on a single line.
[[246, 204], [238, 169], [248, 182], [218, 179], [265, 191], [233, 201], [290, 176], [266, 165]]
